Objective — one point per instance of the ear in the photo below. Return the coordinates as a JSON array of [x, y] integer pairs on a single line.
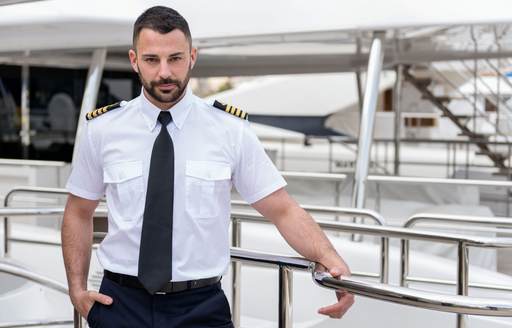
[[193, 57], [133, 60]]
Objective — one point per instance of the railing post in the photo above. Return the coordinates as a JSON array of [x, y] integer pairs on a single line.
[[6, 236], [6, 226], [462, 278], [384, 260], [404, 262], [285, 297], [236, 234], [77, 319]]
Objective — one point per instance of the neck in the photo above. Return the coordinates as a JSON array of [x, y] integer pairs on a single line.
[[163, 105]]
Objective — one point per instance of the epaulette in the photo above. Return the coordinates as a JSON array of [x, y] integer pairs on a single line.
[[97, 112], [231, 110]]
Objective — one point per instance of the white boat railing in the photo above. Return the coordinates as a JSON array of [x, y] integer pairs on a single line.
[[337, 178], [462, 242], [460, 305], [17, 271], [447, 219], [377, 291]]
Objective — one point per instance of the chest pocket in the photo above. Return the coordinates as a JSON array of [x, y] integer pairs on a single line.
[[125, 189], [207, 187]]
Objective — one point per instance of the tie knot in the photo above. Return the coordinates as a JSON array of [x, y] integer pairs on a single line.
[[164, 118]]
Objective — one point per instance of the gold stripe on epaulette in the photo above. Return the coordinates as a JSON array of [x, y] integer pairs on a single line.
[[230, 110], [102, 110]]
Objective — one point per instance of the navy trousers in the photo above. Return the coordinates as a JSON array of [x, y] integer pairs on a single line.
[[196, 308]]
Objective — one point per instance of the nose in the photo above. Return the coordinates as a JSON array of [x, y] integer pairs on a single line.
[[165, 70]]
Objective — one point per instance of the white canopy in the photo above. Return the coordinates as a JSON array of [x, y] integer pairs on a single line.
[[259, 37], [58, 24]]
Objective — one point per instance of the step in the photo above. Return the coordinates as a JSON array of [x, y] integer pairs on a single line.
[[478, 135], [443, 99], [459, 116], [423, 82]]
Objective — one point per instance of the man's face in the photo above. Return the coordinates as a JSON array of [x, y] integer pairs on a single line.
[[163, 62]]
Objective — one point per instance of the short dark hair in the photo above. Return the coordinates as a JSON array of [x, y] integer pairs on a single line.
[[161, 19]]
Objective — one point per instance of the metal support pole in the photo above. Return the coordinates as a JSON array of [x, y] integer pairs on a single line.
[[397, 96], [236, 270], [285, 297], [358, 80], [384, 260], [462, 278], [367, 125], [404, 262], [77, 320], [92, 87], [6, 236], [25, 109]]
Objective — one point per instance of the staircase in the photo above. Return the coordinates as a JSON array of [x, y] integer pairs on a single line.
[[461, 121]]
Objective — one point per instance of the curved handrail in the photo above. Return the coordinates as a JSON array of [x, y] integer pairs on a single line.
[[381, 231], [384, 292], [422, 299], [36, 323], [397, 232], [348, 211], [32, 276], [446, 218], [23, 211], [499, 222], [58, 191]]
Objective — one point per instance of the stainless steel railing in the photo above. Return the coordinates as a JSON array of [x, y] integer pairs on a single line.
[[379, 291], [17, 271], [462, 242], [236, 229], [447, 219], [36, 323], [460, 305]]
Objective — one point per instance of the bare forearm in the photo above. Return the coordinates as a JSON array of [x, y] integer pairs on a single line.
[[298, 228], [76, 246], [306, 237]]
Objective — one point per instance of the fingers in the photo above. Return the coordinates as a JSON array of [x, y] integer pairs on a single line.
[[339, 271], [101, 298], [337, 310]]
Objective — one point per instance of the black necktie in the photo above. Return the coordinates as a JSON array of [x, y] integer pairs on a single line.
[[155, 252]]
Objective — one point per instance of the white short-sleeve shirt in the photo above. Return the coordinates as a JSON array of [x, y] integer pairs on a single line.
[[213, 150]]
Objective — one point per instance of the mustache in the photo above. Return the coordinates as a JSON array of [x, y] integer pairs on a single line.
[[165, 81]]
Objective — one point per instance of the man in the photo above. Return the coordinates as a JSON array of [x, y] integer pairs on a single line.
[[166, 162]]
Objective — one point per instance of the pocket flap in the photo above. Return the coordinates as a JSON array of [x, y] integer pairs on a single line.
[[122, 171], [208, 170]]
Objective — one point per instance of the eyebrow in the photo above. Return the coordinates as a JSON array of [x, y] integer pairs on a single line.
[[171, 55]]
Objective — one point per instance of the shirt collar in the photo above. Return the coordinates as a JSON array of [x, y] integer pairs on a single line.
[[179, 111]]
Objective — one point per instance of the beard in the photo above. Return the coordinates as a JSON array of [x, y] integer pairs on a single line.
[[165, 96]]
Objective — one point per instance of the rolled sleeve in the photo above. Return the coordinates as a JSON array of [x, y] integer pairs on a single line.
[[255, 176], [86, 178]]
